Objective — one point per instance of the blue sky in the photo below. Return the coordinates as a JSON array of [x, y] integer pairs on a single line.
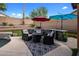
[[15, 9]]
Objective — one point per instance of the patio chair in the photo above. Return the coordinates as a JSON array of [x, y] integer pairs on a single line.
[[49, 38], [25, 35], [36, 37], [61, 36], [30, 31]]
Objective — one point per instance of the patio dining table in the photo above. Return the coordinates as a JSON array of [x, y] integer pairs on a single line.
[[59, 35], [36, 37]]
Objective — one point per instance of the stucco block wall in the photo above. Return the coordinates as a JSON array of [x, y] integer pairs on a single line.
[[70, 24], [67, 24], [2, 19], [15, 21]]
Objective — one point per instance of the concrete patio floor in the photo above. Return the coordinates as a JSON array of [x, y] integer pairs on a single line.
[[17, 47], [71, 43]]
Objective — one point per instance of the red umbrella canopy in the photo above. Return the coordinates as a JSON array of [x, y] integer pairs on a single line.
[[40, 18]]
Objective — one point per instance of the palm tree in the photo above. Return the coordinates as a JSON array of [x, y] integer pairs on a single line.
[[23, 13], [2, 6]]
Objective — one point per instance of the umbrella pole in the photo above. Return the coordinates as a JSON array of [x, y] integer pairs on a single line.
[[61, 24], [40, 24]]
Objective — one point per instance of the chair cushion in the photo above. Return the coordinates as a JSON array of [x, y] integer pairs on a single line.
[[25, 31], [38, 31], [31, 31]]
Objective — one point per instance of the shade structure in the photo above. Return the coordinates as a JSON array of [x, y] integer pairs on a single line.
[[40, 19], [74, 5], [63, 17]]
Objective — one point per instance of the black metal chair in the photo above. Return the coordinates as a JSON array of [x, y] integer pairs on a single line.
[[49, 40], [25, 35], [60, 36]]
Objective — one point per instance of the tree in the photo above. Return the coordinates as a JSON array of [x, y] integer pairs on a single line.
[[33, 13], [41, 11], [27, 17], [2, 6]]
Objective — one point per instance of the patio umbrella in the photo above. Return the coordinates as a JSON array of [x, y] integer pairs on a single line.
[[63, 17], [40, 19]]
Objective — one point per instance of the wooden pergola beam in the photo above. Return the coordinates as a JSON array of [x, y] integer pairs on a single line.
[[78, 26], [76, 6]]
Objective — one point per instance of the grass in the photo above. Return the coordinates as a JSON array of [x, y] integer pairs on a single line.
[[15, 32], [74, 51], [18, 32]]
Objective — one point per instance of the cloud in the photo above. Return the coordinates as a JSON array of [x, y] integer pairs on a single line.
[[17, 15], [13, 14], [65, 7]]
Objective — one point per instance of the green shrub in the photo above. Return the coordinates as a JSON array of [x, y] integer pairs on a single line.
[[74, 51], [65, 37], [32, 25], [17, 32], [4, 24], [11, 25]]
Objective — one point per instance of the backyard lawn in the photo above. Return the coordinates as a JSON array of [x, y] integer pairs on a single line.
[[15, 32]]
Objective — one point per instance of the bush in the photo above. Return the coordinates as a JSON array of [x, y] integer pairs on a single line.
[[17, 32], [65, 37], [32, 25], [10, 24], [4, 24], [74, 51]]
